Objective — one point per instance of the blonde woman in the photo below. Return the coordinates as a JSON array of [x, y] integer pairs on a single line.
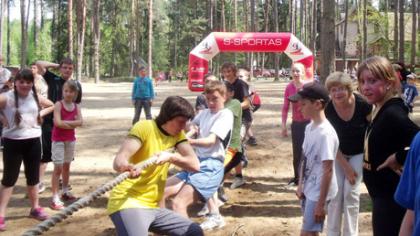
[[387, 140], [348, 113], [298, 121]]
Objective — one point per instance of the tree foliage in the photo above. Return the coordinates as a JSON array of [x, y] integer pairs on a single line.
[[178, 26]]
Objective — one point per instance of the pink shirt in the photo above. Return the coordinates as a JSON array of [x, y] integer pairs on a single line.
[[296, 114], [62, 135]]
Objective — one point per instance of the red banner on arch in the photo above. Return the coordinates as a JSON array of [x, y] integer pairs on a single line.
[[217, 42]]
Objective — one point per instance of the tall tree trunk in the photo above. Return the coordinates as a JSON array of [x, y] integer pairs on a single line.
[[133, 37], [41, 5], [150, 36], [70, 27], [24, 34], [291, 16], [276, 29], [396, 29], [364, 50], [2, 12], [96, 36], [301, 20], [210, 15], [235, 23], [247, 28], [346, 17], [401, 57], [222, 16], [253, 29], [414, 33], [312, 44], [327, 38], [114, 39], [81, 29], [266, 12], [8, 33], [36, 24], [177, 29], [386, 9]]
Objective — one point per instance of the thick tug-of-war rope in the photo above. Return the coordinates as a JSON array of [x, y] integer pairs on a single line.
[[86, 200]]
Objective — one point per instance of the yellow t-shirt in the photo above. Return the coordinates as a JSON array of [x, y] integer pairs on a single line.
[[146, 190]]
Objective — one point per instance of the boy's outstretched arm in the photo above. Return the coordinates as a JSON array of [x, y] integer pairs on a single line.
[[204, 142], [327, 170], [185, 157]]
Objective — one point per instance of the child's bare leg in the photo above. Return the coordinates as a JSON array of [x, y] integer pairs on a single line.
[[58, 169], [66, 175], [33, 196], [183, 199], [212, 204]]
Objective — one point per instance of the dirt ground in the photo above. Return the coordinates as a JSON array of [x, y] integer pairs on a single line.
[[263, 206]]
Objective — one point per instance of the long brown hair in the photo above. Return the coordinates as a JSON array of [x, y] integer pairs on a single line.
[[26, 75]]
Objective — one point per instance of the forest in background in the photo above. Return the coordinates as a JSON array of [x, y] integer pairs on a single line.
[[111, 38]]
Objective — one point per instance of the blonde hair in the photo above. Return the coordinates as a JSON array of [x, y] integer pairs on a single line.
[[212, 86], [301, 67], [381, 69], [339, 78], [210, 77]]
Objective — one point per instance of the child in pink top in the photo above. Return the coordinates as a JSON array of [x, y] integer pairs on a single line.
[[298, 122], [67, 116]]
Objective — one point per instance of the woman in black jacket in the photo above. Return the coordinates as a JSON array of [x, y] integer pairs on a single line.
[[387, 140]]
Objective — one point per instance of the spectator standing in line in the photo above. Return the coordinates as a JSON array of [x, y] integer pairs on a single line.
[[55, 93], [298, 121], [388, 135], [349, 114]]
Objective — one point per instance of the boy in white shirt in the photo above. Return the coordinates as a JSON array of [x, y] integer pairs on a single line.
[[213, 128], [318, 183]]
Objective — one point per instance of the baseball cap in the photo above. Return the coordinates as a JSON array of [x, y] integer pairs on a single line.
[[313, 90], [412, 76]]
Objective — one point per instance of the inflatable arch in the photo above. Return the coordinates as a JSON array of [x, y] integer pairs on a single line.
[[244, 42]]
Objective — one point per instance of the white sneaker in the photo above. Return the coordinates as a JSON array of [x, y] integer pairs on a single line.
[[204, 211], [213, 221], [41, 187], [237, 182]]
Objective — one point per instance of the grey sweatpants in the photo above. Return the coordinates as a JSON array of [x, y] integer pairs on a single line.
[[139, 221]]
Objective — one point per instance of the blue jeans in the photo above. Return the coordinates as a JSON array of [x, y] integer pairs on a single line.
[[138, 105]]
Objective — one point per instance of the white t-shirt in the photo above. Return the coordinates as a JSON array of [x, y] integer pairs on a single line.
[[220, 124], [320, 144], [28, 127]]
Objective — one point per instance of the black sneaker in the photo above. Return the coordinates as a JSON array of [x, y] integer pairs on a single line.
[[221, 194], [293, 182], [252, 141]]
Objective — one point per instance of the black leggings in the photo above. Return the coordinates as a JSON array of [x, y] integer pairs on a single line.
[[16, 151], [298, 134], [236, 160], [387, 216]]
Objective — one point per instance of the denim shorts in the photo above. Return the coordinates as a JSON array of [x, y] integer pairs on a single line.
[[208, 179], [309, 224]]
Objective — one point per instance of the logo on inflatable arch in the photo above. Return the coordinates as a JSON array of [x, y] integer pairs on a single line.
[[244, 42]]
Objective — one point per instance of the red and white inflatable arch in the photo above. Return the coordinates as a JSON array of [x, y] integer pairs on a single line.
[[244, 42]]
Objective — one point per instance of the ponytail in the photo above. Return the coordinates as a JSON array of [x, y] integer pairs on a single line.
[[35, 94], [18, 116]]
